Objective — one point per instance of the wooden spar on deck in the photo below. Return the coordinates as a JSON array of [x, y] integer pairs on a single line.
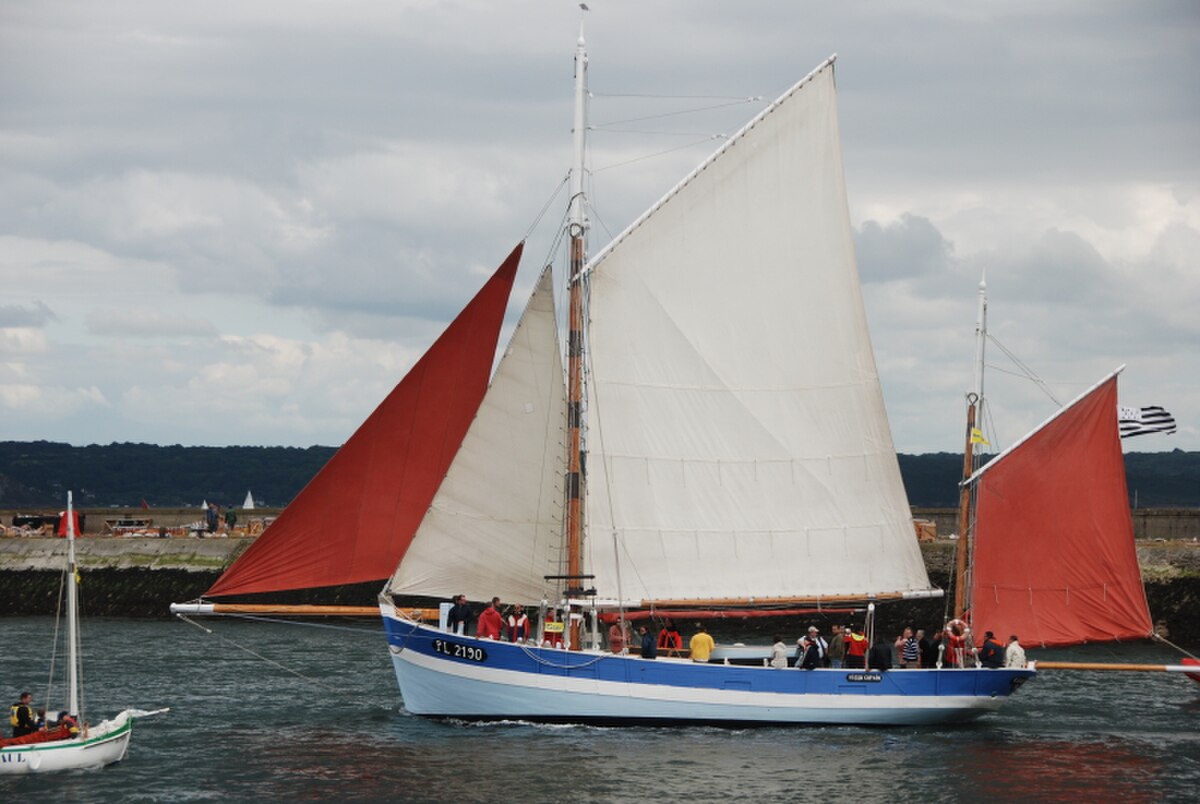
[[1136, 668], [788, 601], [293, 611]]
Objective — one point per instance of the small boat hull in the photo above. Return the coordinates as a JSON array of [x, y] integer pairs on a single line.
[[445, 675], [105, 744]]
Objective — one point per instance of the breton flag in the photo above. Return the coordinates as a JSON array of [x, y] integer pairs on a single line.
[[1139, 421]]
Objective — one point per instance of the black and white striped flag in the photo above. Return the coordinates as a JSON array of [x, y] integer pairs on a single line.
[[1139, 421]]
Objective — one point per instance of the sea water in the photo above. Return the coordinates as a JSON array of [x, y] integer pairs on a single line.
[[269, 711]]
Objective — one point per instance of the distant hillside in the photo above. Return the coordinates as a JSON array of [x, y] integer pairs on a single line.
[[37, 473]]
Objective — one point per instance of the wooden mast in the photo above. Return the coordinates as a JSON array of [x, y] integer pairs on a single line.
[[577, 226], [962, 568]]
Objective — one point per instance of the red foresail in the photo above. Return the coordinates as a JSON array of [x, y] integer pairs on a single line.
[[354, 521], [1054, 557]]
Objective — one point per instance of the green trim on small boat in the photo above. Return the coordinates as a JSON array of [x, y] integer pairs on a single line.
[[58, 744]]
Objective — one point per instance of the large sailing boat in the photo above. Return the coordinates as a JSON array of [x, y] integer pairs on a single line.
[[722, 386], [72, 744]]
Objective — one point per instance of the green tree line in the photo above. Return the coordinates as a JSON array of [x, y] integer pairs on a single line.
[[39, 473]]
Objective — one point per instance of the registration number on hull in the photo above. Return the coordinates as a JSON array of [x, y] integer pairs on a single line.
[[457, 650]]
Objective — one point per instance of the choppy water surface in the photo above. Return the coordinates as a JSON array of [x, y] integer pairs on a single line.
[[244, 729]]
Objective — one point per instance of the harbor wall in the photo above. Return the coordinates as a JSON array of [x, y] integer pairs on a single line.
[[138, 577]]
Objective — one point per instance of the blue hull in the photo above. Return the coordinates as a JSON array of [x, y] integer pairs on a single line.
[[445, 675]]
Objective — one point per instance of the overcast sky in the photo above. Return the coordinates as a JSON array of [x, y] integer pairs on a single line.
[[240, 223]]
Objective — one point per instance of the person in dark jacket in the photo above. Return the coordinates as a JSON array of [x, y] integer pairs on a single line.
[[649, 644], [991, 654], [880, 656], [459, 616], [927, 650]]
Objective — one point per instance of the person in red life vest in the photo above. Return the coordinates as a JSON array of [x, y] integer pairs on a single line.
[[669, 640], [518, 624], [490, 622], [856, 650]]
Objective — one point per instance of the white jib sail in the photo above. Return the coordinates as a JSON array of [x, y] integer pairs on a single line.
[[738, 442], [495, 525]]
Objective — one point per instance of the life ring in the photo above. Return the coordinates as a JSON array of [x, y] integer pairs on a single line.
[[957, 627]]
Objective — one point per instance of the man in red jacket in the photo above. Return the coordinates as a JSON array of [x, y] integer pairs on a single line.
[[490, 621]]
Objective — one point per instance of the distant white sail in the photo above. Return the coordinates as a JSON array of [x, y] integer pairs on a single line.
[[248, 503], [494, 527], [738, 442]]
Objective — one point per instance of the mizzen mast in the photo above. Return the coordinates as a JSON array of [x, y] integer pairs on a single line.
[[577, 226], [962, 600]]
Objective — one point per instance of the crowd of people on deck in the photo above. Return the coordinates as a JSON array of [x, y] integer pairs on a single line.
[[847, 647]]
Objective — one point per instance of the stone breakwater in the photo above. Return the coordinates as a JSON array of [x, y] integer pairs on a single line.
[[135, 577]]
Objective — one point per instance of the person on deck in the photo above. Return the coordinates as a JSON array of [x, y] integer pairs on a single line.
[[518, 624], [856, 650], [956, 638], [23, 719], [880, 656], [926, 649], [669, 639], [908, 650], [837, 647], [810, 650], [779, 653], [618, 636], [1014, 654], [991, 654], [649, 644], [701, 645], [490, 622], [459, 616]]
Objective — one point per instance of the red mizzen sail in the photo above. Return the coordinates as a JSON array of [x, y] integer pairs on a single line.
[[1054, 558], [354, 521]]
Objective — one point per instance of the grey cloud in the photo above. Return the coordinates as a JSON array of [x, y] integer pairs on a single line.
[[37, 314]]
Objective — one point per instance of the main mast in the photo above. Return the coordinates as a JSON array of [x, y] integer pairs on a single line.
[[962, 601], [577, 225]]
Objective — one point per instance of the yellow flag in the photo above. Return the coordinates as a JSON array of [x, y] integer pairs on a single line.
[[977, 437]]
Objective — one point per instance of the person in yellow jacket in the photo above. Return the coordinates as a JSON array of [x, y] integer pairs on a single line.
[[22, 718], [701, 645]]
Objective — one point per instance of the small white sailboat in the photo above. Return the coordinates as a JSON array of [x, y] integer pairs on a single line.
[[83, 746], [738, 456]]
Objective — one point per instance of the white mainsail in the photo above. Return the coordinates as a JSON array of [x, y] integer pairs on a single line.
[[739, 446], [495, 525]]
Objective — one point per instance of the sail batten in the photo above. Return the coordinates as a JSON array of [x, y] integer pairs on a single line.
[[354, 520]]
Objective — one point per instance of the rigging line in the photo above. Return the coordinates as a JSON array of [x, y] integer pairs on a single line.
[[537, 220], [62, 579], [1029, 373], [557, 666], [653, 155], [744, 98], [677, 113], [1160, 638], [281, 621], [660, 132], [284, 667]]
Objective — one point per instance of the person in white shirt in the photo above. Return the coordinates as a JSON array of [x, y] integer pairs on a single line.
[[1014, 654]]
